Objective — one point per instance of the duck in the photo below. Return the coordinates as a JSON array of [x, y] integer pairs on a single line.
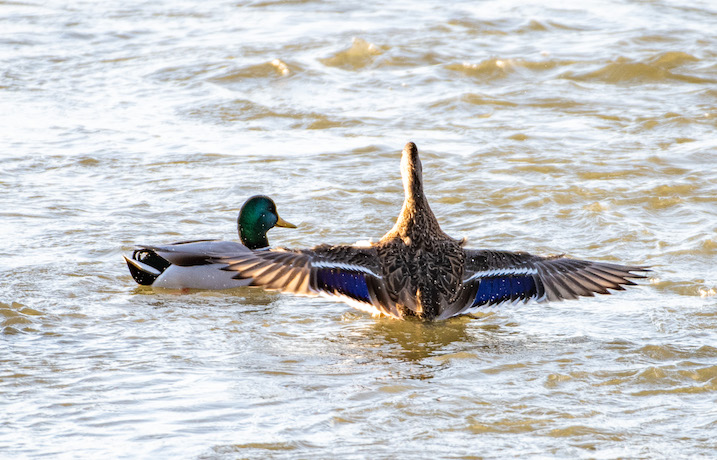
[[196, 264], [418, 271]]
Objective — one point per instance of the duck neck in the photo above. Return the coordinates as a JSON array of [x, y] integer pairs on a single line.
[[252, 235], [416, 217]]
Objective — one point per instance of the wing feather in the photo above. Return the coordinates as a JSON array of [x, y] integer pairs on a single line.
[[497, 277], [344, 272]]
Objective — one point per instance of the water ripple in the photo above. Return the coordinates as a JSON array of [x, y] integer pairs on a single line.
[[587, 131]]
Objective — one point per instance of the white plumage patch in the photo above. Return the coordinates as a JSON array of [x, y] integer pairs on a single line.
[[198, 277], [362, 306], [503, 272], [142, 266], [342, 266]]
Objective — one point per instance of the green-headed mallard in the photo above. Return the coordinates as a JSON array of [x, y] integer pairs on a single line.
[[197, 264], [416, 270]]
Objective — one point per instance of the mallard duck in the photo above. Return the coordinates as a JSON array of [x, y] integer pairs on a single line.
[[196, 264], [417, 270]]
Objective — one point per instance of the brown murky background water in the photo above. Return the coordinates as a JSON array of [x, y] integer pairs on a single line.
[[586, 129]]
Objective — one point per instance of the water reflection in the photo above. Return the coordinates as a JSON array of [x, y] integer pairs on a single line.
[[432, 343], [416, 341]]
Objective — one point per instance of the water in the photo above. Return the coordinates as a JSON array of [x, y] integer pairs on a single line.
[[588, 130]]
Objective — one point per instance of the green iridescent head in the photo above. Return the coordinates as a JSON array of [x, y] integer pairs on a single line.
[[258, 216]]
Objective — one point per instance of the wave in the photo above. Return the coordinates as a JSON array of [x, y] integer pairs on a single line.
[[359, 55], [656, 69], [273, 69], [498, 68]]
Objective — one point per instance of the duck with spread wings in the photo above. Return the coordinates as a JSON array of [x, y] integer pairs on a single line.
[[416, 270]]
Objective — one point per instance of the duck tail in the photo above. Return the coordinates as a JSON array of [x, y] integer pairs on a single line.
[[145, 266]]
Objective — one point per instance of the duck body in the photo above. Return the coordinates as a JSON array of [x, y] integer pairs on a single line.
[[416, 270], [197, 264], [185, 265]]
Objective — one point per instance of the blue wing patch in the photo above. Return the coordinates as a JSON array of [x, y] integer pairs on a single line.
[[349, 283], [494, 290]]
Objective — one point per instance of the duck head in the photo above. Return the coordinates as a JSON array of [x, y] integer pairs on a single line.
[[257, 216]]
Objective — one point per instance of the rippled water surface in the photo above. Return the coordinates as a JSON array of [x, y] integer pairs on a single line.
[[586, 129]]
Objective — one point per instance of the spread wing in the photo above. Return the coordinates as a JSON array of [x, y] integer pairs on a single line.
[[349, 273], [496, 277]]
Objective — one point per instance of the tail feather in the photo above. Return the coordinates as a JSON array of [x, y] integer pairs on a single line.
[[145, 266]]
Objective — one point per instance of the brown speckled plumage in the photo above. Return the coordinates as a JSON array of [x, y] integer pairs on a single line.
[[417, 270], [422, 266]]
